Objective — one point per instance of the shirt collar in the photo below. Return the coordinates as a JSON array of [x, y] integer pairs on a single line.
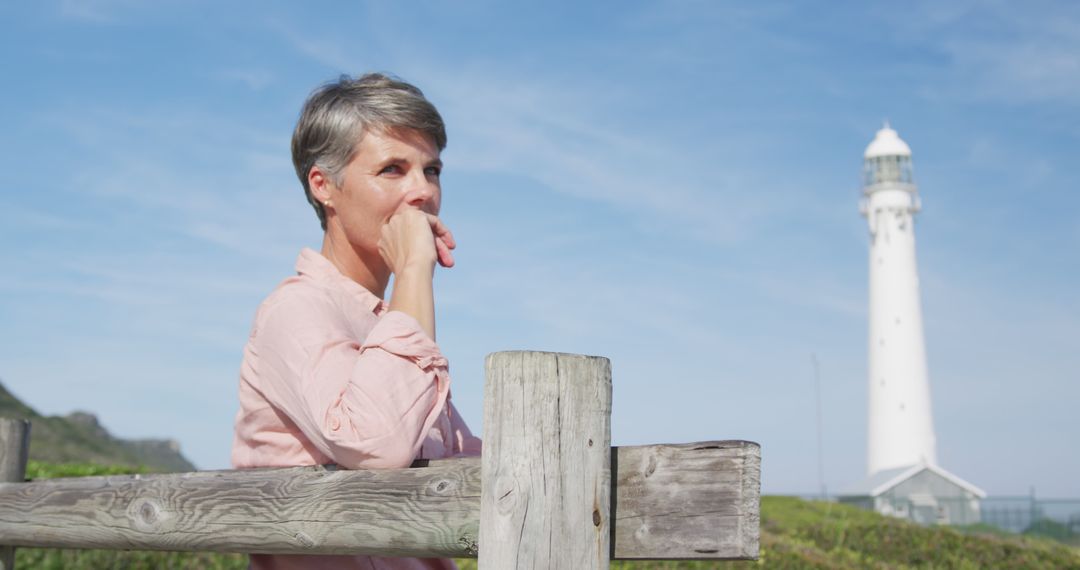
[[312, 264]]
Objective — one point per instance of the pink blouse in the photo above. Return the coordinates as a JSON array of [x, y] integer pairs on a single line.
[[329, 375]]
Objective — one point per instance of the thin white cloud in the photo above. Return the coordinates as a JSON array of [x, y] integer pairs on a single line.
[[255, 79], [15, 217], [554, 135], [1000, 51], [328, 51], [98, 11], [196, 175], [505, 121]]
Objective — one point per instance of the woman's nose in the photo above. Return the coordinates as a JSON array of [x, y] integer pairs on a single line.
[[422, 193]]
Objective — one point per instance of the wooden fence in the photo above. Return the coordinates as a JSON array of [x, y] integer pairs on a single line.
[[548, 492]]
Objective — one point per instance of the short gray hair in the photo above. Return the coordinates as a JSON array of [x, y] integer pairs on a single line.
[[337, 115]]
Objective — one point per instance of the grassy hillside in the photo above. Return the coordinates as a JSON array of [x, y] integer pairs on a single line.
[[808, 534], [79, 438], [795, 534], [798, 535]]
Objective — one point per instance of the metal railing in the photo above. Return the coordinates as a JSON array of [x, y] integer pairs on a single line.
[[1057, 518]]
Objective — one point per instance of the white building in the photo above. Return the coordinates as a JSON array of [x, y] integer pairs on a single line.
[[926, 494], [903, 477]]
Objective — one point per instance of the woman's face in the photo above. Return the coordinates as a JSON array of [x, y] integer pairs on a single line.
[[391, 170]]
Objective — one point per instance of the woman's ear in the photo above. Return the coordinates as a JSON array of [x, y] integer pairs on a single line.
[[320, 184]]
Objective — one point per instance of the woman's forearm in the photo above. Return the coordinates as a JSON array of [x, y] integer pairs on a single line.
[[413, 295]]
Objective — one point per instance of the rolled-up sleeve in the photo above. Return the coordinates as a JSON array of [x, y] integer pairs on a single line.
[[364, 403]]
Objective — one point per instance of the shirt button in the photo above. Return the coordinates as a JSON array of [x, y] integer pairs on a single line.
[[335, 424]]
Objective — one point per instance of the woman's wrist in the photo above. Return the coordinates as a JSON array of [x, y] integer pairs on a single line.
[[414, 296], [417, 268]]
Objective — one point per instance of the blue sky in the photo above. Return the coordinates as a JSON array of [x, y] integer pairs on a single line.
[[673, 185]]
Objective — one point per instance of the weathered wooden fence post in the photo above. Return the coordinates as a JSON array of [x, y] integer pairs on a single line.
[[14, 448], [546, 467]]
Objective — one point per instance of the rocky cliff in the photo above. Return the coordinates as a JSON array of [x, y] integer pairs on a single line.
[[80, 438]]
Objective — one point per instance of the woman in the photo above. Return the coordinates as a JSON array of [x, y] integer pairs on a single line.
[[331, 372]]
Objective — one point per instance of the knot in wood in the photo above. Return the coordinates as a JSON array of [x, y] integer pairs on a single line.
[[642, 532], [146, 514], [651, 467], [442, 486], [596, 517], [304, 540], [468, 543]]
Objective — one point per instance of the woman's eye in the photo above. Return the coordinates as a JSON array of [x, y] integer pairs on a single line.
[[433, 171], [391, 169]]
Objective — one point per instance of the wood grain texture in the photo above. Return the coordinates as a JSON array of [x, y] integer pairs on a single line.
[[545, 498], [14, 450], [432, 510], [696, 500]]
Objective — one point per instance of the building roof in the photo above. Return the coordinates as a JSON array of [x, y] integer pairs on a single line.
[[882, 481]]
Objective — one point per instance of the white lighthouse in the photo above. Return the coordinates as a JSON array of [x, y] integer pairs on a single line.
[[901, 428], [904, 478]]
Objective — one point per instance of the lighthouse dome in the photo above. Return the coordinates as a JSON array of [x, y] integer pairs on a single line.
[[887, 143]]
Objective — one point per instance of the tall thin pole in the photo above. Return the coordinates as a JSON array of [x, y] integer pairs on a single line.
[[820, 446]]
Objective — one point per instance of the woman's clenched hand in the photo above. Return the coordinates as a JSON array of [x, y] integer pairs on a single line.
[[413, 238]]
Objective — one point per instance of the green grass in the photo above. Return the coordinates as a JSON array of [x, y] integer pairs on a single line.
[[795, 534], [810, 534], [1052, 529], [40, 470]]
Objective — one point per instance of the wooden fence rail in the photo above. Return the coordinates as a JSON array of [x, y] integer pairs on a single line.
[[549, 492]]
